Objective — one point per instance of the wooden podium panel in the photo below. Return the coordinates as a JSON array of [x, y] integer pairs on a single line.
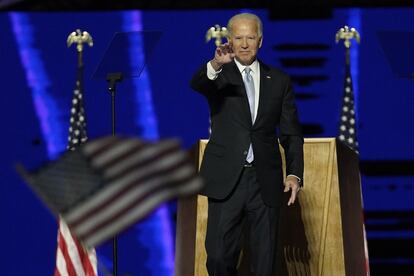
[[321, 234]]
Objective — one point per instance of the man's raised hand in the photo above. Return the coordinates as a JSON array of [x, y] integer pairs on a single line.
[[223, 54]]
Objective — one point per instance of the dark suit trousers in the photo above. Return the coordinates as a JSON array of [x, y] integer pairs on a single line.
[[224, 229]]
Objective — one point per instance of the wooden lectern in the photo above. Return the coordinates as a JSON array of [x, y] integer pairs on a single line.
[[321, 234]]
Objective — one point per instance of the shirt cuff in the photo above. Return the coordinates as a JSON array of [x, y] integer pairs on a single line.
[[299, 180], [211, 73]]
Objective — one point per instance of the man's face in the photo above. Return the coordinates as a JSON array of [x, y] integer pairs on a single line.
[[245, 40]]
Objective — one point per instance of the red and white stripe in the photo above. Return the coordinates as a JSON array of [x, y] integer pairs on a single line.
[[138, 176], [72, 259]]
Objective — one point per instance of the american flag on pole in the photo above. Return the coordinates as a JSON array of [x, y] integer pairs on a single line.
[[111, 183], [72, 258], [348, 133], [347, 128], [138, 176]]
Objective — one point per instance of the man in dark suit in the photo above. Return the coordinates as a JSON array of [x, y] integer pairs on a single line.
[[251, 106]]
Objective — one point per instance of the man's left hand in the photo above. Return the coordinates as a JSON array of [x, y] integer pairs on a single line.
[[292, 183]]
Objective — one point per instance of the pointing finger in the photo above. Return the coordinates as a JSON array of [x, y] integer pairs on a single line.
[[292, 198]]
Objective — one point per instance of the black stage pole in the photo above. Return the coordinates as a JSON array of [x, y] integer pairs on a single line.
[[112, 79]]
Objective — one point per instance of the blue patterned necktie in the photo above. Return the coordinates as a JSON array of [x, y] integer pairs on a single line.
[[249, 85]]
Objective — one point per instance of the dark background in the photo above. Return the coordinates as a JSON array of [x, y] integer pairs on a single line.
[[38, 76]]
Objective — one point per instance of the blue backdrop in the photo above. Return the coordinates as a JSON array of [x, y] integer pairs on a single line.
[[38, 76]]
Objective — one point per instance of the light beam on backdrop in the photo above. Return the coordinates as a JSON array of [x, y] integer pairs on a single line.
[[354, 19], [157, 229], [47, 109]]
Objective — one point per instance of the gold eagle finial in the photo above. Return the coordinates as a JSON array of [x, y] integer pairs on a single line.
[[79, 38], [216, 32], [347, 34]]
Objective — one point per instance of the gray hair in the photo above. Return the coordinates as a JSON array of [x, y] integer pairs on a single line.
[[248, 16]]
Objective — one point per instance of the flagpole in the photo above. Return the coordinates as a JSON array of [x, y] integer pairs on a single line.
[[348, 131], [348, 124], [87, 261]]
